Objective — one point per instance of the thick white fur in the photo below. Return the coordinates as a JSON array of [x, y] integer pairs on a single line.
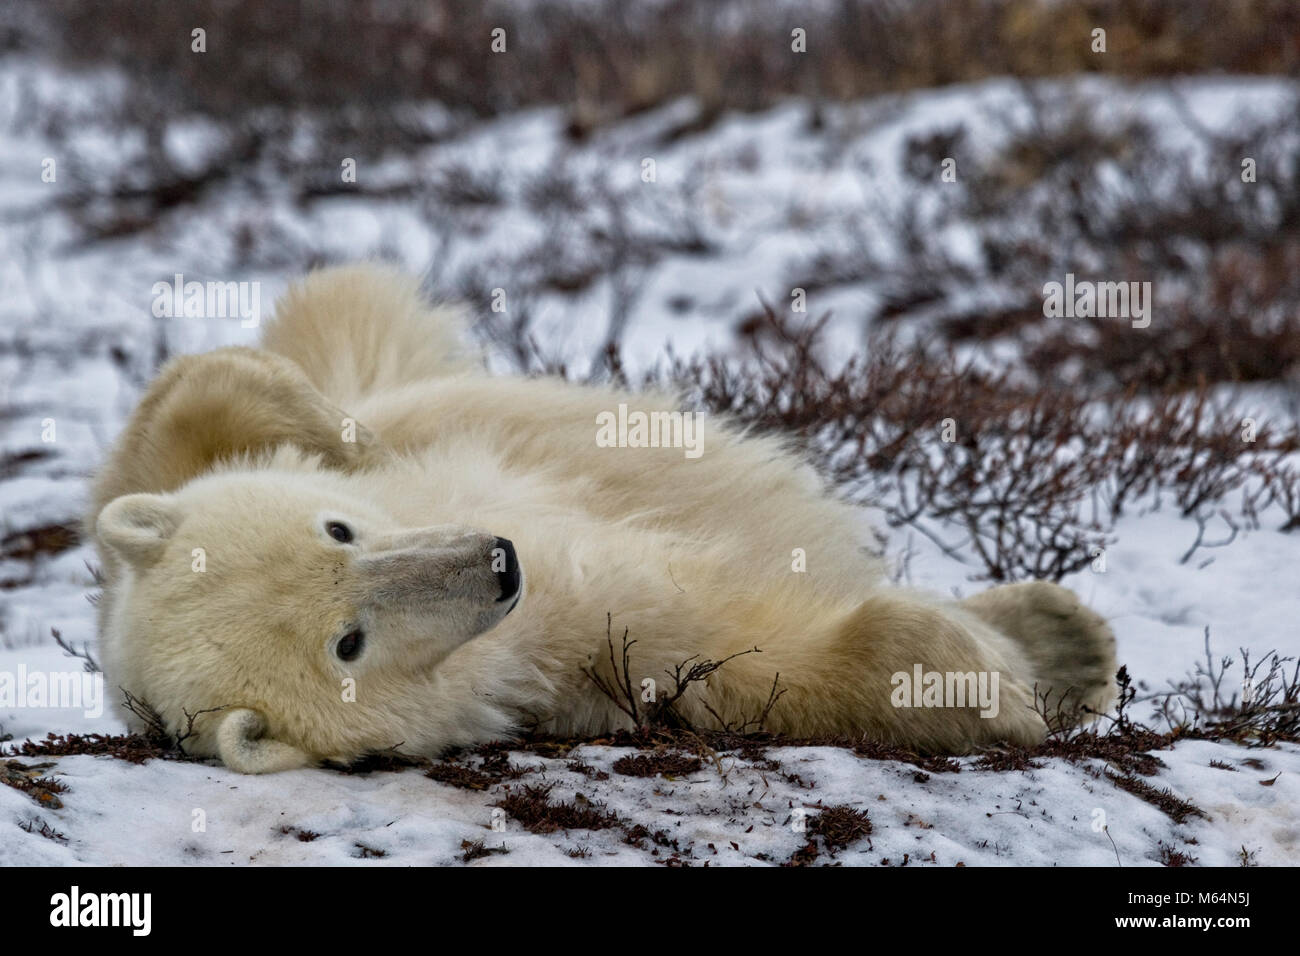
[[241, 453]]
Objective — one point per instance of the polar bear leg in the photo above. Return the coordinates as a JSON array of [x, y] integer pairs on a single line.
[[202, 409], [863, 676], [358, 330]]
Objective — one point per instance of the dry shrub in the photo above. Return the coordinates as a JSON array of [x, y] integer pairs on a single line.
[[609, 58], [1027, 480], [1071, 187], [1257, 704]]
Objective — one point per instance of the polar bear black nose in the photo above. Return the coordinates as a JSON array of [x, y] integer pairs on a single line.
[[506, 564]]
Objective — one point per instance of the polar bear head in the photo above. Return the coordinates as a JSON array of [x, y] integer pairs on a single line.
[[299, 620]]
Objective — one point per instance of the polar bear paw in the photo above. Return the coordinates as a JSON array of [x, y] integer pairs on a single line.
[[1070, 647]]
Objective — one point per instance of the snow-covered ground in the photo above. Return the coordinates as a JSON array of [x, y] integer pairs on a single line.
[[118, 813], [735, 211]]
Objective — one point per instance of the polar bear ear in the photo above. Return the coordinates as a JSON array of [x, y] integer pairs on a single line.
[[241, 746], [138, 526]]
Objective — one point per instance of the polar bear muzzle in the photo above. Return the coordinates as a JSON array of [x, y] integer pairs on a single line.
[[433, 564], [467, 580]]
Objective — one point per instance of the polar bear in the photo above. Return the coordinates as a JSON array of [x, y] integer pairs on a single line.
[[352, 539]]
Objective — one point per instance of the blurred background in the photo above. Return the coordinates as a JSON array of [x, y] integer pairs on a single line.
[[780, 162], [835, 220]]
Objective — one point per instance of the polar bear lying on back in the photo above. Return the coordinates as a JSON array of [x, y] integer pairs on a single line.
[[351, 539]]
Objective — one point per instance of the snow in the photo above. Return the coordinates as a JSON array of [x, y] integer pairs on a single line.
[[77, 345], [167, 813]]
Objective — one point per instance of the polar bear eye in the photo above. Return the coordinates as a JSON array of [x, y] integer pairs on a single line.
[[349, 648], [339, 531]]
